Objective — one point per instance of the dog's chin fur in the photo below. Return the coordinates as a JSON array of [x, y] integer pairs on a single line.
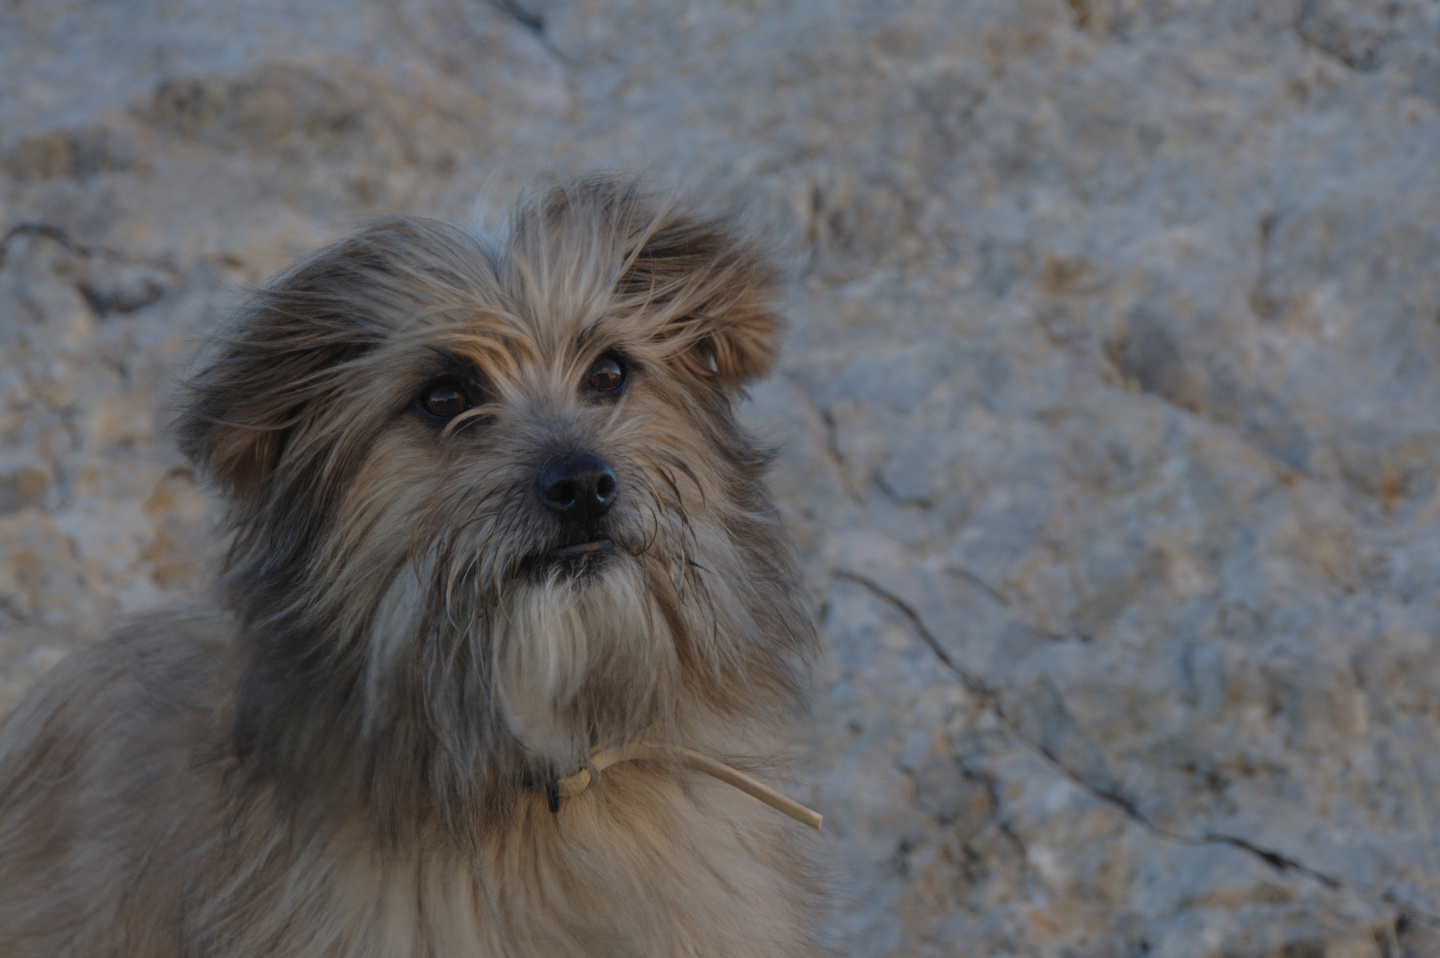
[[576, 645], [353, 752]]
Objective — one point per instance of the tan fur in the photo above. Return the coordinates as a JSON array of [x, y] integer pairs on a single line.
[[347, 755]]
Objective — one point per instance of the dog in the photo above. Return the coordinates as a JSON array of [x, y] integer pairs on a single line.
[[489, 514]]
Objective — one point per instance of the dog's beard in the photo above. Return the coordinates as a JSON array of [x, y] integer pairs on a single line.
[[580, 660], [563, 659]]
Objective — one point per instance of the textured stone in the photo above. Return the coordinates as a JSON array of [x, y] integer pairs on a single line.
[[1107, 410]]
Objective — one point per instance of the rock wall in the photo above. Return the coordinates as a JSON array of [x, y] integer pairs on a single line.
[[1108, 408]]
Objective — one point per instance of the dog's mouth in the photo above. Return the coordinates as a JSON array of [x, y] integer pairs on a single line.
[[584, 548], [575, 559]]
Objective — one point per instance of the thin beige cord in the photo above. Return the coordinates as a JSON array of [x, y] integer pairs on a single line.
[[572, 785]]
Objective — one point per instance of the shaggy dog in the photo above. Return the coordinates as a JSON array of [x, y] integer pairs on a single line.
[[490, 512]]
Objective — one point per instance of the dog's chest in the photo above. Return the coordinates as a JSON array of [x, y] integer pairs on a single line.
[[701, 878]]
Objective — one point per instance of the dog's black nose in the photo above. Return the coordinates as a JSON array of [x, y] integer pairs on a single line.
[[579, 486]]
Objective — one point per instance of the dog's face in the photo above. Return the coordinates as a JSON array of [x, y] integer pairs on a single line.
[[490, 503]]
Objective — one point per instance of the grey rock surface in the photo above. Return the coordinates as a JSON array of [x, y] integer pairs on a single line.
[[1109, 407]]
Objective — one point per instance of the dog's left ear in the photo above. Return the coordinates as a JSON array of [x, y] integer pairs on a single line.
[[713, 291], [268, 374]]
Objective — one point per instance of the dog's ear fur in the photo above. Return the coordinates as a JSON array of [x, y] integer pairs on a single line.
[[696, 280], [721, 287], [255, 388]]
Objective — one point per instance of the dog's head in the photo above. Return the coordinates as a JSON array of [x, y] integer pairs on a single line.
[[491, 507]]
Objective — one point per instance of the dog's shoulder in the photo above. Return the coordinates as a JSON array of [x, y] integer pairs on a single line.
[[160, 663], [97, 762]]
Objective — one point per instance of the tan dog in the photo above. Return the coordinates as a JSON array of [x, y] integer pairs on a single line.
[[491, 511]]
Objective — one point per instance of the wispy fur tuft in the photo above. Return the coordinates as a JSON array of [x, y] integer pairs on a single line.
[[350, 755]]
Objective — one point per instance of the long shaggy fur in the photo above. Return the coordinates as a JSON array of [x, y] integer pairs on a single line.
[[349, 754]]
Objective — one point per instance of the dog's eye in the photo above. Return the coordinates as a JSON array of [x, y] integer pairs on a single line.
[[444, 399], [606, 374]]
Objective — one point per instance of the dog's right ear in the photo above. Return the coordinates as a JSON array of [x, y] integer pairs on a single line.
[[274, 364], [716, 290], [693, 284]]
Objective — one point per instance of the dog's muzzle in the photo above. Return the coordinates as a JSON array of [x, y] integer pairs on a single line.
[[578, 488]]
